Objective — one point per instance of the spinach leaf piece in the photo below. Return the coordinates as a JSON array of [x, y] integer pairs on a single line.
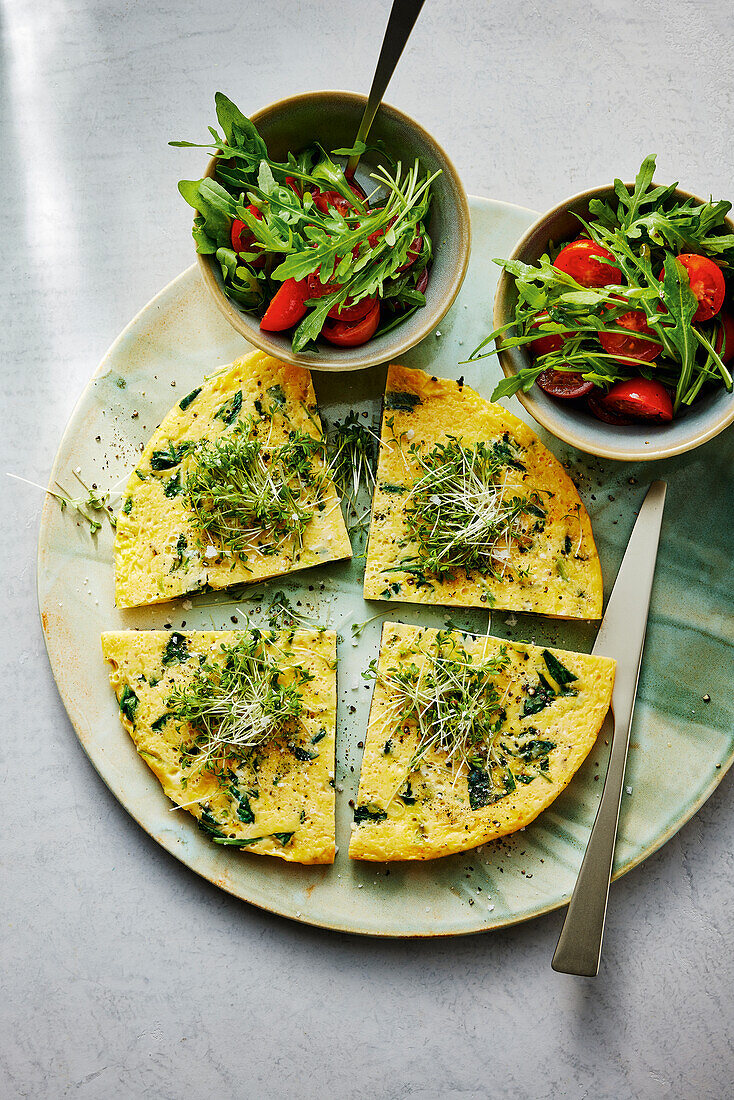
[[395, 401], [176, 651], [480, 789], [186, 401], [243, 808], [129, 703], [230, 410], [368, 813], [284, 838], [558, 671], [168, 457]]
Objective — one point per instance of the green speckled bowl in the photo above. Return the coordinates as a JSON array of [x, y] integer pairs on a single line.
[[681, 746]]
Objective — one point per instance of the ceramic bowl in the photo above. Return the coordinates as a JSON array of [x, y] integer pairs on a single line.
[[332, 118], [635, 442]]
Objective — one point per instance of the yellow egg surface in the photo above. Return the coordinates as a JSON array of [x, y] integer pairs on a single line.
[[550, 706], [278, 799], [552, 568], [160, 551]]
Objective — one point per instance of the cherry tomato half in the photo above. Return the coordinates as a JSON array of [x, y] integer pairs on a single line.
[[544, 344], [584, 260], [627, 349], [641, 398], [287, 306], [317, 289], [350, 313], [351, 336], [416, 247], [564, 383], [724, 342], [707, 283], [240, 234], [595, 405]]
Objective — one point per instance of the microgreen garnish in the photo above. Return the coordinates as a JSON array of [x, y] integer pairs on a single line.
[[353, 450], [460, 512], [248, 498], [95, 501], [452, 703], [235, 706]]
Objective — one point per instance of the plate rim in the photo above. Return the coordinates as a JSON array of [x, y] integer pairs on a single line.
[[169, 844]]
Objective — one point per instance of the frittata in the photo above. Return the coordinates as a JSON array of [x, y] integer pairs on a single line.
[[470, 509], [469, 739], [239, 727], [232, 487]]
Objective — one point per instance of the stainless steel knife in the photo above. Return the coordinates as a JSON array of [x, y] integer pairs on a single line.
[[622, 636]]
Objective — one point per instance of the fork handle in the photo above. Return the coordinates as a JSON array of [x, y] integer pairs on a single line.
[[401, 22]]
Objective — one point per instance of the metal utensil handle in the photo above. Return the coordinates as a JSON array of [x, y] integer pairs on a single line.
[[580, 942], [401, 22]]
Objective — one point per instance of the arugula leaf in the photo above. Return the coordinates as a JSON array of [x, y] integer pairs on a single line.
[[681, 304]]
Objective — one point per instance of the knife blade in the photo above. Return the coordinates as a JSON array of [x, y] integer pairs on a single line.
[[621, 636]]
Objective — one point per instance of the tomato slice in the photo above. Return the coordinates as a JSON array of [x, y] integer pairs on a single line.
[[351, 336], [595, 405], [544, 344], [641, 398], [351, 313], [240, 234], [584, 260], [724, 342], [564, 383], [628, 349], [707, 283], [416, 247], [317, 289], [287, 306]]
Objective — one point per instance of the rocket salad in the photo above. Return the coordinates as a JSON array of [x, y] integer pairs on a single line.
[[635, 316], [301, 245]]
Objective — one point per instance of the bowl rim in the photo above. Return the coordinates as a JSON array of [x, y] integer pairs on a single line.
[[332, 361], [564, 433]]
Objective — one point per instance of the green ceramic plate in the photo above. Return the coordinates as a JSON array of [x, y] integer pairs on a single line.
[[681, 744]]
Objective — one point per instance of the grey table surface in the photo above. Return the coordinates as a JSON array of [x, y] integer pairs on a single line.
[[126, 975]]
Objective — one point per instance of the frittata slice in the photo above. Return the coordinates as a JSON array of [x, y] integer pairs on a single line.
[[470, 509], [239, 727], [470, 739], [232, 487]]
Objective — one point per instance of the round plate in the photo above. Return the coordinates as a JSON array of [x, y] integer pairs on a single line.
[[681, 744]]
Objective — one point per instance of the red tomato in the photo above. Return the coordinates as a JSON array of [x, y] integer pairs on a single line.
[[317, 289], [563, 383], [641, 398], [324, 199], [544, 344], [351, 313], [584, 260], [627, 349], [351, 336], [416, 247], [596, 406], [287, 306], [707, 283], [293, 184], [724, 342], [240, 234]]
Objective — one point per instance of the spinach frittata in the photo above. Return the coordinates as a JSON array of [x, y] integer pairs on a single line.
[[469, 739], [232, 487], [470, 509], [239, 727]]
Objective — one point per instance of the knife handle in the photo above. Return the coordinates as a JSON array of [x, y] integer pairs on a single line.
[[579, 945]]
